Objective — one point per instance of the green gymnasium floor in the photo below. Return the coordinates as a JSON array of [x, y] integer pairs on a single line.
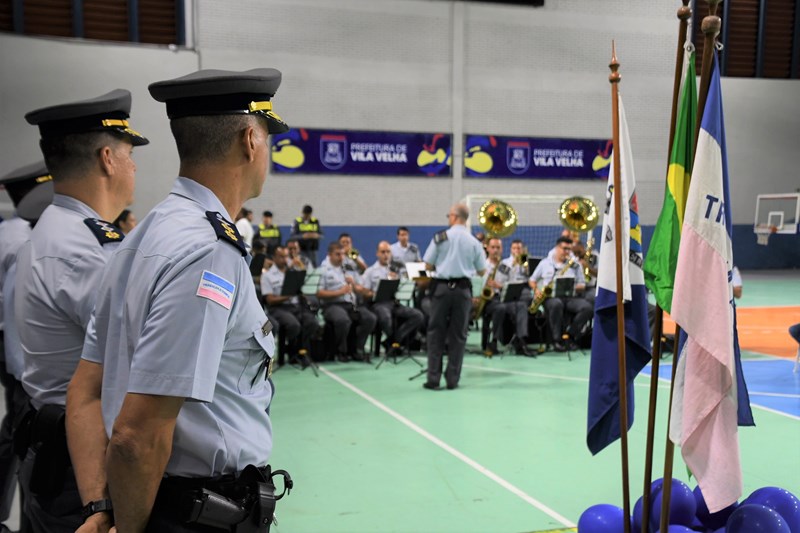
[[371, 451]]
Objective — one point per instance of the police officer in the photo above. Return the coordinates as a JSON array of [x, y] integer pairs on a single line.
[[308, 232], [455, 255], [31, 190], [87, 147], [185, 369], [298, 323], [411, 319], [269, 233], [338, 290], [498, 310]]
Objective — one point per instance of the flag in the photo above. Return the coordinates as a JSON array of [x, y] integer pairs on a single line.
[[709, 390], [662, 255], [603, 415]]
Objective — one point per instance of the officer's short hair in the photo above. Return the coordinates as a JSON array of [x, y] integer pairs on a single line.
[[206, 139], [75, 154], [402, 228], [462, 211], [259, 246], [489, 241], [517, 241], [342, 235], [333, 247], [292, 239], [267, 214], [307, 210], [564, 239]]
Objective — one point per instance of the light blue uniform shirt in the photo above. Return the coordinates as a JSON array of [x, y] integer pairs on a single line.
[[58, 273], [515, 273], [409, 254], [272, 283], [177, 315], [460, 256], [332, 278], [374, 274], [13, 234], [547, 269]]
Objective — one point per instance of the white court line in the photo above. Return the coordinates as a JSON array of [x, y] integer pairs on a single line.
[[775, 394], [449, 449], [537, 375]]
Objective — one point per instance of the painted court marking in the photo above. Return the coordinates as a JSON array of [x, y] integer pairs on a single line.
[[449, 449]]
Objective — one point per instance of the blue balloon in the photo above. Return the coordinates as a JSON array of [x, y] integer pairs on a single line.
[[783, 501], [711, 520], [637, 515], [682, 506], [675, 528], [601, 518], [756, 518]]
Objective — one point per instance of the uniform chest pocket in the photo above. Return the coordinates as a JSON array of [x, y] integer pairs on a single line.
[[257, 367]]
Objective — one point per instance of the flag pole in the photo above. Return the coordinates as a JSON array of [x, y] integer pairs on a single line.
[[614, 78], [711, 26], [684, 14]]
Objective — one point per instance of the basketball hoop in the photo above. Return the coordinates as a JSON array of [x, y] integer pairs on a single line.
[[763, 232]]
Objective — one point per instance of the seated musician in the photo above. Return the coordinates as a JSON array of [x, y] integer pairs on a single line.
[[351, 255], [496, 310], [338, 287], [411, 319], [287, 313], [516, 262], [588, 261], [297, 258], [562, 264]]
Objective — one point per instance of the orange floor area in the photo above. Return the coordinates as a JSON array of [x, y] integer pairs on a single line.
[[762, 329]]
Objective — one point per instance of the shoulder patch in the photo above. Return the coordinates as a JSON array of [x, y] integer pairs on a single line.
[[226, 231], [413, 248], [105, 232], [440, 237], [216, 289], [503, 268]]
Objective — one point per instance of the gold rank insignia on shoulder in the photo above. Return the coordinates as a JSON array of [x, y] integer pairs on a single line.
[[104, 232], [226, 231], [440, 237]]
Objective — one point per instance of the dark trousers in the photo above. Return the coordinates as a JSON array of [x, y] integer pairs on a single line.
[[794, 331], [296, 324], [339, 317], [411, 320], [60, 514], [450, 309], [516, 311], [554, 309], [9, 462]]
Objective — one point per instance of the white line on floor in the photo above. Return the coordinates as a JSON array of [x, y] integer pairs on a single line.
[[449, 449]]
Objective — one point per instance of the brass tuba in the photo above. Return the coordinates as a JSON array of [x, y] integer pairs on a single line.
[[498, 218], [578, 214]]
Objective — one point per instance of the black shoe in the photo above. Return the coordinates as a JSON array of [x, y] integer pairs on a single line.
[[343, 358], [491, 349], [358, 356], [522, 349], [451, 386], [431, 386], [559, 347], [573, 346]]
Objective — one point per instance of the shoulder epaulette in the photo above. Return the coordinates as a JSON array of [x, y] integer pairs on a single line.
[[440, 236], [503, 268], [105, 232], [226, 231], [413, 248]]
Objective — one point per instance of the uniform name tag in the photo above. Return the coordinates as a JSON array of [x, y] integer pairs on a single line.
[[216, 289]]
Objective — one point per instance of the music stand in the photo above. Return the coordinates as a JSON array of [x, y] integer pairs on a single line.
[[386, 290], [416, 270], [512, 291], [293, 282], [564, 288]]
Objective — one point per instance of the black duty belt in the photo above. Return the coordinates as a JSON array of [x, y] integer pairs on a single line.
[[243, 502]]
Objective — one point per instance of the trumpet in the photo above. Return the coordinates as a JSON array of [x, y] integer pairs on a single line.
[[353, 254]]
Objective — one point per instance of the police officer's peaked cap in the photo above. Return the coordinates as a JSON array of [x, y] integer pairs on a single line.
[[222, 92], [21, 181], [108, 112]]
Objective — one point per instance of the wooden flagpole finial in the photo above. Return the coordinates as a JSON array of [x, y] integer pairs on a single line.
[[711, 24], [615, 76], [684, 12]]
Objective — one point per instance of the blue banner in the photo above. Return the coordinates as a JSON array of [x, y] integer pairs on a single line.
[[492, 156], [375, 153]]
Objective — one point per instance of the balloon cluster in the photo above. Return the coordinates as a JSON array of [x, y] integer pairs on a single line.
[[767, 510]]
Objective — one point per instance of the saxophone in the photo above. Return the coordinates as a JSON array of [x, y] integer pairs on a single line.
[[487, 293], [548, 290]]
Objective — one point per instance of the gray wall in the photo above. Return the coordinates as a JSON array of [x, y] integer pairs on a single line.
[[415, 65]]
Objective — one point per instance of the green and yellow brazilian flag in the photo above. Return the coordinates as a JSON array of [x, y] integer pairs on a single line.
[[662, 255]]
